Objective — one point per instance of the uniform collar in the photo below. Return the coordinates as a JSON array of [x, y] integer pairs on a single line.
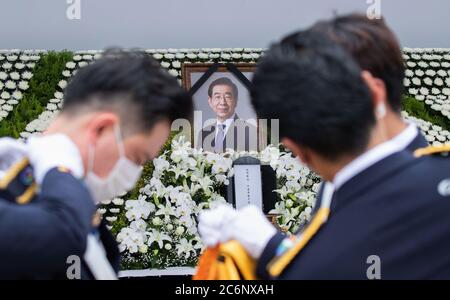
[[407, 136], [364, 161]]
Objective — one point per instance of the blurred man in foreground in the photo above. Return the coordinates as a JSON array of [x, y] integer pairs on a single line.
[[333, 116], [116, 116]]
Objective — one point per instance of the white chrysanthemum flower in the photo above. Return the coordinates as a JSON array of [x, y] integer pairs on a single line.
[[169, 56], [66, 73], [11, 85], [416, 81], [83, 64], [203, 55], [435, 91], [27, 75], [191, 56], [419, 72], [428, 81], [165, 64], [441, 73], [118, 201], [17, 95], [420, 97], [176, 64], [51, 106], [173, 72], [71, 65], [3, 75], [12, 57], [14, 75], [256, 56], [422, 64], [406, 82], [435, 64], [158, 56], [23, 85], [62, 84], [11, 101], [180, 55], [59, 95], [19, 66], [111, 219], [5, 95], [424, 91], [430, 72]]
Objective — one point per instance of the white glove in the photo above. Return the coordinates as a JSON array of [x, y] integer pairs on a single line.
[[11, 151], [50, 151], [249, 226], [212, 222]]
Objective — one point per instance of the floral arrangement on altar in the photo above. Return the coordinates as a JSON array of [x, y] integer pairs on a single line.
[[15, 72], [159, 228], [155, 224], [427, 78]]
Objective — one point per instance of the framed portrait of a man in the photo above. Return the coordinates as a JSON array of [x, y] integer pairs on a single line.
[[224, 117]]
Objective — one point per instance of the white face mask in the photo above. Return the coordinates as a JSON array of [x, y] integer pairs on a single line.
[[122, 177]]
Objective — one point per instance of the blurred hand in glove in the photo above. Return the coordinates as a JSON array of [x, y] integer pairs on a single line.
[[51, 151], [11, 151], [249, 226]]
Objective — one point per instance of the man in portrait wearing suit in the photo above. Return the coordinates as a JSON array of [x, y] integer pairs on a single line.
[[228, 130]]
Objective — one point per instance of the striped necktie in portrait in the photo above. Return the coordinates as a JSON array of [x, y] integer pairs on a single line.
[[218, 144]]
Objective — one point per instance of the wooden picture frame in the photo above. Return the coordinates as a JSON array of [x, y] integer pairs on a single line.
[[207, 70]]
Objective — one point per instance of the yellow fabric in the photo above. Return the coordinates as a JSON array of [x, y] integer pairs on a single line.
[[278, 264], [230, 261], [431, 150], [13, 172], [28, 195]]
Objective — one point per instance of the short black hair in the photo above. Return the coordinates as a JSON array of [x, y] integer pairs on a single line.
[[223, 81], [315, 89], [375, 48], [132, 84]]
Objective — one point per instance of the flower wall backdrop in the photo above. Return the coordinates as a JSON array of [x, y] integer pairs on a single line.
[[155, 224]]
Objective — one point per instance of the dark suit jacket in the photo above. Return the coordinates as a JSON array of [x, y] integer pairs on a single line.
[[241, 136], [418, 142], [37, 238], [387, 210]]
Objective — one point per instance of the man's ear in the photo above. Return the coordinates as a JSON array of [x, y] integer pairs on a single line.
[[377, 89], [210, 102], [100, 123], [297, 150]]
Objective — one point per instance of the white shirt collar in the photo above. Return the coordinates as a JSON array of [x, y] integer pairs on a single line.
[[227, 123], [404, 138], [364, 161]]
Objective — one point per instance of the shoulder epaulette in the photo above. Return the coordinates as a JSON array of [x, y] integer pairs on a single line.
[[443, 150], [18, 182]]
